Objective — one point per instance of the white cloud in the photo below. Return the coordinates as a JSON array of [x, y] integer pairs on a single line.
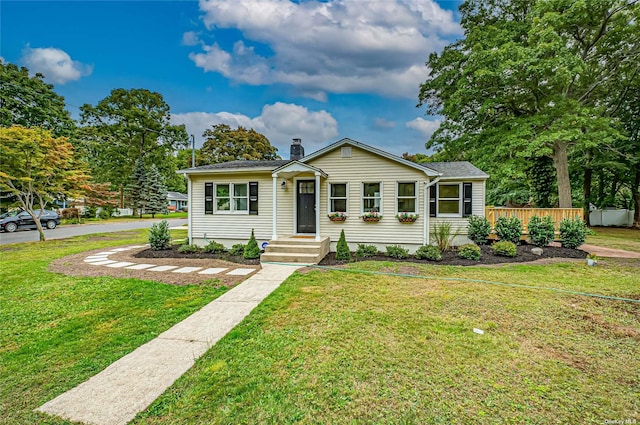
[[280, 122], [383, 124], [340, 46], [425, 127], [56, 65], [190, 38]]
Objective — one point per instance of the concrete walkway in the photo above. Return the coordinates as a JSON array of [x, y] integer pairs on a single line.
[[601, 251], [131, 384]]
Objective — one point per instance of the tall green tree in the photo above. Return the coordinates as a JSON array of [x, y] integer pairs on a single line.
[[37, 168], [224, 144], [156, 192], [532, 78], [30, 102], [126, 126], [137, 187]]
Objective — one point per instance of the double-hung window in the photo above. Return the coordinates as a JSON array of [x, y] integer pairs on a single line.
[[232, 197], [407, 199], [451, 200], [337, 197], [371, 197]]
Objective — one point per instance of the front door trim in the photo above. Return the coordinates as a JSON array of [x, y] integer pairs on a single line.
[[295, 205]]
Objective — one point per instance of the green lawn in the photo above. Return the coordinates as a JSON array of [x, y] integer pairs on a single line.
[[340, 347], [611, 237], [57, 331]]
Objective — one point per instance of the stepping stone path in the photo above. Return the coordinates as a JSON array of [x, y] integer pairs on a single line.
[[102, 259]]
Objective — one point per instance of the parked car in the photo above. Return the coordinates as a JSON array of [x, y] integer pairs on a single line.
[[14, 220]]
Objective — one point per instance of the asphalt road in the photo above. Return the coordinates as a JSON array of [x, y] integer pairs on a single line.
[[69, 230]]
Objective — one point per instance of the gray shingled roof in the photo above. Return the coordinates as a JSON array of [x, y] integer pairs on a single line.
[[456, 169], [177, 196], [239, 164]]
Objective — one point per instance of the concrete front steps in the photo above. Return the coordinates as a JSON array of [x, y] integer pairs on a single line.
[[299, 250]]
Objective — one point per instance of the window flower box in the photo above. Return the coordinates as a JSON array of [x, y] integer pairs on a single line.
[[407, 217], [337, 216], [371, 217]]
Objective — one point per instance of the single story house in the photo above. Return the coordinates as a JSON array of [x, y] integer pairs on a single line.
[[290, 203], [177, 201]]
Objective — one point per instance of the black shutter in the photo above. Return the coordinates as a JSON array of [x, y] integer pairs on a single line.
[[432, 201], [208, 198], [468, 207], [253, 198]]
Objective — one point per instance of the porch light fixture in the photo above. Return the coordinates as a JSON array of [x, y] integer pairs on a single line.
[[283, 185]]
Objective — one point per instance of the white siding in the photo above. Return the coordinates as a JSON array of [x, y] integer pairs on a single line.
[[364, 166], [231, 228]]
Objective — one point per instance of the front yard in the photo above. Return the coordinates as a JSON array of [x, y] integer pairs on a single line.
[[340, 347]]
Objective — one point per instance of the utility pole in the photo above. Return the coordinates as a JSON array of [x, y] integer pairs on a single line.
[[193, 151]]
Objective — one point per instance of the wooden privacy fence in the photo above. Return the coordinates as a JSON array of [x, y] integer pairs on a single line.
[[525, 214]]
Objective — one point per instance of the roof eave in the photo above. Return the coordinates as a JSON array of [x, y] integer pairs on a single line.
[[189, 171]]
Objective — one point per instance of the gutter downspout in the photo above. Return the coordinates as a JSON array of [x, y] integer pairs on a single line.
[[190, 209], [425, 230]]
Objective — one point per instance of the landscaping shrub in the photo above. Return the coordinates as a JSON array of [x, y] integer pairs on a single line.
[[159, 236], [342, 249], [104, 214], [70, 213], [251, 251], [90, 212], [470, 252], [509, 229], [396, 251], [189, 249], [443, 236], [214, 247], [572, 232], [505, 249], [365, 251], [541, 230], [237, 249], [429, 252], [479, 229]]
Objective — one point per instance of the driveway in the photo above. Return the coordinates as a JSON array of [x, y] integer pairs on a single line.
[[69, 230]]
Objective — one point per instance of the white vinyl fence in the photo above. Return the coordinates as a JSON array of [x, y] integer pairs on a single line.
[[611, 217]]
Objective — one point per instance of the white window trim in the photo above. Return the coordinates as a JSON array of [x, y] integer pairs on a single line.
[[232, 199], [416, 196], [369, 197], [329, 197], [460, 199]]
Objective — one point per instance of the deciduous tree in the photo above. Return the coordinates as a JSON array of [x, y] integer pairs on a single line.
[[532, 78], [223, 144], [37, 168]]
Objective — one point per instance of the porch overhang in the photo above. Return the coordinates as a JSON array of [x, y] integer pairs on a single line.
[[294, 168]]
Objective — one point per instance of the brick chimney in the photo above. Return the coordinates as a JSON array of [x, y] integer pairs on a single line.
[[297, 150]]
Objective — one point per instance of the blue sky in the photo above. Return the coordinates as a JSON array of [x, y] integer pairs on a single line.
[[317, 70]]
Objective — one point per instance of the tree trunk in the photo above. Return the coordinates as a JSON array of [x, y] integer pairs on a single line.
[[636, 198], [588, 177], [561, 162]]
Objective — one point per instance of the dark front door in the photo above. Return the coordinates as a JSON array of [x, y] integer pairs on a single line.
[[306, 206]]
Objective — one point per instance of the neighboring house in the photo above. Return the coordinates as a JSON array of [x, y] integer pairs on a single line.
[[287, 202], [177, 201]]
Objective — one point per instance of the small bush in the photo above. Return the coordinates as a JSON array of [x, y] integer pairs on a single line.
[[214, 247], [342, 249], [70, 213], [104, 214], [541, 230], [90, 212], [505, 249], [237, 249], [443, 236], [509, 229], [572, 232], [429, 252], [396, 251], [189, 249], [470, 252], [159, 236], [251, 251], [365, 251], [479, 229]]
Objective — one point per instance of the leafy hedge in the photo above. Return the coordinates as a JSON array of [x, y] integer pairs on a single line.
[[428, 252], [479, 229], [509, 229], [470, 252], [505, 249], [573, 232], [541, 230]]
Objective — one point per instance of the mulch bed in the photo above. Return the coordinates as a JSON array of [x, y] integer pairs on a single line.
[[488, 258], [173, 253]]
